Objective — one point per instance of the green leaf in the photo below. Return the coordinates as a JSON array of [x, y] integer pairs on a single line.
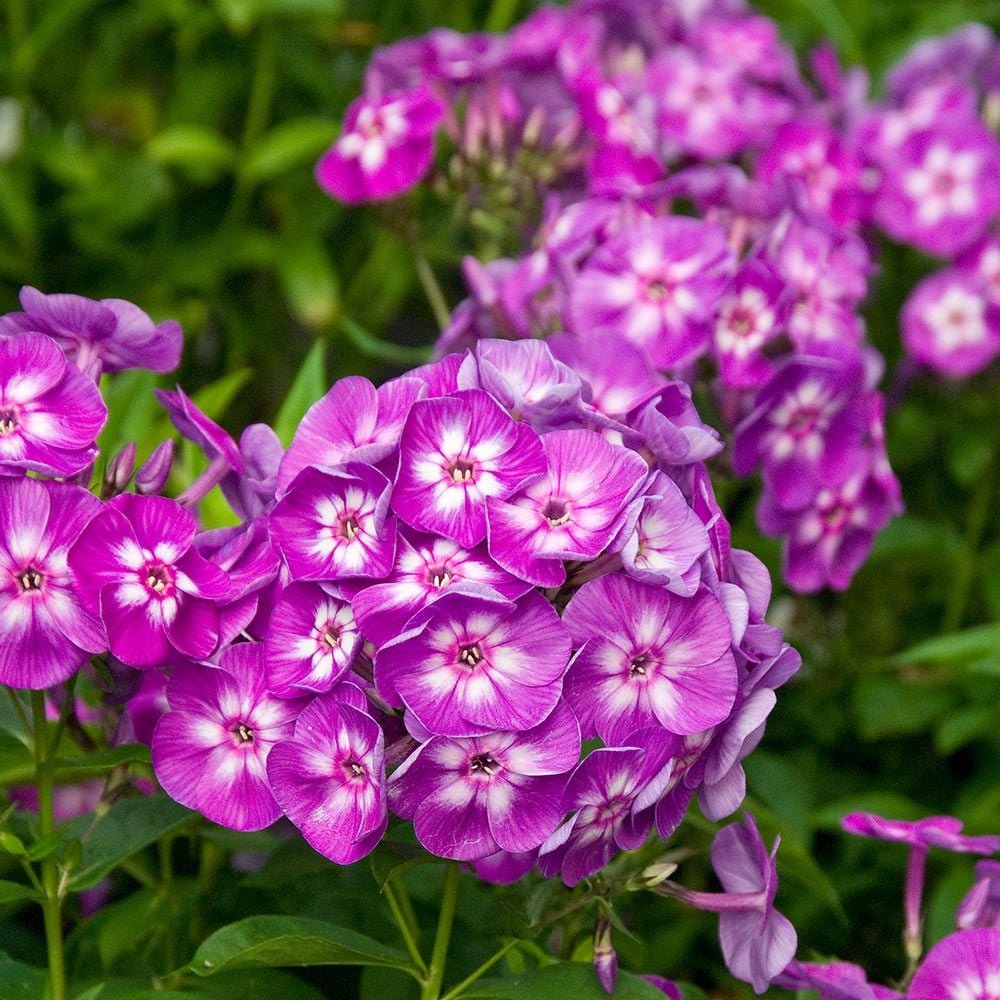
[[241, 15], [275, 941], [252, 984], [559, 981], [12, 844], [127, 827], [106, 760], [14, 892], [291, 144], [200, 152], [214, 399], [968, 644], [19, 981], [381, 349], [964, 726], [16, 762], [885, 707], [309, 385], [308, 281]]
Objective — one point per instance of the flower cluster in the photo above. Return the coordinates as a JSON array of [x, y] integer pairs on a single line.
[[434, 597], [635, 113]]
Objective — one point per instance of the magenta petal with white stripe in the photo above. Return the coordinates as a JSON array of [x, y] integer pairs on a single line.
[[329, 778], [572, 512], [455, 452], [648, 657], [474, 661], [210, 750], [335, 524]]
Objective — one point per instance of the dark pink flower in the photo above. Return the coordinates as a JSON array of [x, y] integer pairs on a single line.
[[965, 964]]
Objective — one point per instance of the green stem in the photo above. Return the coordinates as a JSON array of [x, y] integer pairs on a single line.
[[435, 975], [64, 714], [958, 595], [15, 699], [395, 897], [52, 905], [481, 971], [166, 888], [435, 297]]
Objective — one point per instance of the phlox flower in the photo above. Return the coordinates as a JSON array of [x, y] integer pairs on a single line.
[[47, 633], [834, 981], [963, 966], [981, 906]]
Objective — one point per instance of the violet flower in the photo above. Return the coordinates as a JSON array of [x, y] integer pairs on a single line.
[[981, 906], [965, 964]]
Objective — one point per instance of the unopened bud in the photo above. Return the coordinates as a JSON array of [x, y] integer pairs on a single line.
[[651, 876], [152, 475], [605, 959], [119, 472]]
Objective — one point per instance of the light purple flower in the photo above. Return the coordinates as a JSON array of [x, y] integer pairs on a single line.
[[964, 964], [648, 657], [469, 798], [454, 453], [473, 661], [110, 335], [311, 640], [329, 778], [353, 421], [135, 565], [50, 412], [950, 325], [656, 286], [336, 523], [210, 750], [934, 831], [385, 147], [610, 793], [425, 567], [47, 634], [572, 512], [959, 55], [668, 427], [981, 905], [834, 981]]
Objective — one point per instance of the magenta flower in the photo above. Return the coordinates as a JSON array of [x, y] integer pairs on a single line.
[[668, 427], [385, 147], [473, 661], [354, 421], [950, 325], [425, 567], [110, 335], [47, 634], [454, 453], [610, 793], [135, 565], [648, 657], [210, 750], [311, 640], [469, 798], [981, 906], [50, 412], [834, 981], [656, 286], [572, 512], [934, 831], [965, 964], [336, 523], [329, 778]]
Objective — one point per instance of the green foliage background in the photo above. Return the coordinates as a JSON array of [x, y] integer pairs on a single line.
[[162, 152]]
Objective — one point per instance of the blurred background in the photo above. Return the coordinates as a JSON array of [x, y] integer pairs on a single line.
[[162, 152]]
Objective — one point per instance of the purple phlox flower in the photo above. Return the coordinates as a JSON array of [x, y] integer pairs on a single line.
[[827, 541], [329, 778], [669, 428], [110, 335], [505, 867], [440, 377], [751, 315], [615, 171], [821, 173], [845, 90], [353, 421], [210, 750], [311, 642], [524, 378], [834, 981], [572, 512], [700, 103], [385, 147], [610, 793], [144, 709], [336, 523], [469, 798], [474, 661], [665, 986], [252, 492], [668, 539], [757, 941], [426, 565], [135, 564], [441, 54], [940, 192], [963, 966], [655, 285], [454, 453], [983, 261], [950, 325], [614, 389], [605, 956], [934, 831], [806, 428], [619, 112], [959, 56], [648, 657], [47, 634], [50, 412], [981, 905], [151, 477], [749, 41]]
